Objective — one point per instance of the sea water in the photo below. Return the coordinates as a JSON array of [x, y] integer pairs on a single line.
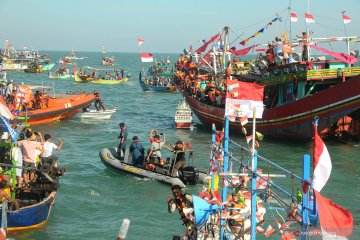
[[92, 201]]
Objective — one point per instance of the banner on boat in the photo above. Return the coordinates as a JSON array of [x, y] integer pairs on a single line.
[[243, 98]]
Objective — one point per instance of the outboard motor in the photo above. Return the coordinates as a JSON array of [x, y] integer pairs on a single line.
[[189, 175]]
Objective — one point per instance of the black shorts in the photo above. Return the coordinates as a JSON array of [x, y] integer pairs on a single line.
[[28, 165]]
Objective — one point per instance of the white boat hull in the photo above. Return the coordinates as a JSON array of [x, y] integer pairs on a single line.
[[93, 114]]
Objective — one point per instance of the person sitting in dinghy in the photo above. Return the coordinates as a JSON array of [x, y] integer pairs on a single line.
[[137, 152]]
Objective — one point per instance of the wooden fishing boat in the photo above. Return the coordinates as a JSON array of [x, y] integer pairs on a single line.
[[33, 70], [292, 118], [148, 87], [183, 116], [51, 109], [34, 202], [82, 78], [61, 76], [189, 175], [294, 93], [111, 81]]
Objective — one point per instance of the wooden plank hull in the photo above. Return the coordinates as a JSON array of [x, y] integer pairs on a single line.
[[30, 217], [292, 120]]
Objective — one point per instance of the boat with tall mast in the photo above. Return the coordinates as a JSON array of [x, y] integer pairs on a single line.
[[294, 91]]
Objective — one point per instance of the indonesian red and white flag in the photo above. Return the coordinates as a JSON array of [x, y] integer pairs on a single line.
[[270, 230], [293, 17], [309, 18], [336, 222], [346, 19], [322, 162], [4, 110], [140, 41], [146, 57], [243, 98]]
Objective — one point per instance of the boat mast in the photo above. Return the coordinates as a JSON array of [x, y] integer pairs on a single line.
[[308, 32], [289, 8], [347, 40]]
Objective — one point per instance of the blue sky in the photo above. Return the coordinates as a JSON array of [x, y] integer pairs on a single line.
[[165, 25]]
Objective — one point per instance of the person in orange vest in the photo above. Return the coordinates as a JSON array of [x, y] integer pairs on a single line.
[[180, 201], [228, 71]]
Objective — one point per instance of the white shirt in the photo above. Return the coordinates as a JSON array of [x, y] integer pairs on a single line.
[[48, 149]]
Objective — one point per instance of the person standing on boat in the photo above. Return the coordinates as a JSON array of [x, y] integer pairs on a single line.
[[305, 46], [154, 154], [180, 158], [49, 147], [122, 145], [137, 152], [99, 105], [28, 148]]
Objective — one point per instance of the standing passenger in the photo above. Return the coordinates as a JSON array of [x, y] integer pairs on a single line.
[[122, 144]]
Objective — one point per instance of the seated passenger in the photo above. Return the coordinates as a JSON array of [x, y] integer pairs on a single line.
[[137, 152]]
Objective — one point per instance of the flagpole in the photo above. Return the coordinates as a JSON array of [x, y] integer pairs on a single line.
[[225, 170], [253, 180], [308, 32], [347, 40], [290, 17]]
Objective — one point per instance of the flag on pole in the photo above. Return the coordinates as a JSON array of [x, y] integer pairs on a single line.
[[335, 221], [7, 128], [242, 98], [346, 19], [309, 18], [140, 41], [4, 110], [322, 162], [270, 230], [146, 57], [244, 121], [293, 17]]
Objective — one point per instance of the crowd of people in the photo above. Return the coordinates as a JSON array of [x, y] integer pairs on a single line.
[[31, 152], [153, 158], [202, 87]]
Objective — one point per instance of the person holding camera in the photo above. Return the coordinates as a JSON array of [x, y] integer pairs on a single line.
[[154, 155]]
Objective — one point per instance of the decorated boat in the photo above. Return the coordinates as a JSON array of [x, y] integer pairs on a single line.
[[61, 73], [34, 67], [94, 114], [101, 76], [42, 108], [148, 86], [12, 59], [183, 116], [32, 204], [188, 175], [295, 92]]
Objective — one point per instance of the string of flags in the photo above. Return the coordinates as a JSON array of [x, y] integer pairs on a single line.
[[309, 18], [261, 30]]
